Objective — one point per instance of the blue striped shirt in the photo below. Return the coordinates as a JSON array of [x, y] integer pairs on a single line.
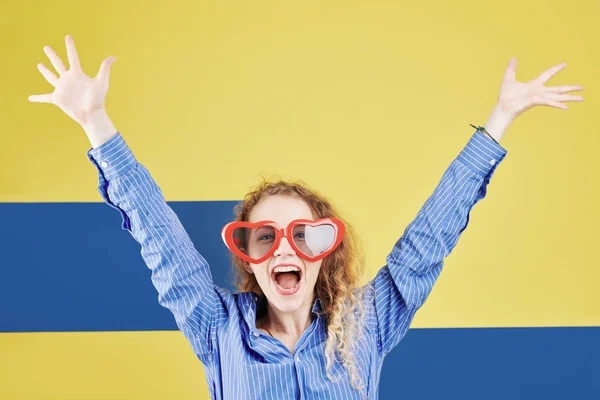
[[240, 361]]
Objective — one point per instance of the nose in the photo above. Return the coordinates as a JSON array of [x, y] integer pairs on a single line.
[[284, 248]]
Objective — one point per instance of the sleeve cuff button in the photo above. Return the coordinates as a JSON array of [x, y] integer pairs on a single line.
[[492, 162], [104, 164]]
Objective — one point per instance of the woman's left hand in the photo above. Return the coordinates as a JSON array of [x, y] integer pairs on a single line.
[[517, 97]]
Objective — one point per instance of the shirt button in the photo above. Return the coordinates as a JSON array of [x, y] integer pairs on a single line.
[[492, 162], [104, 164], [256, 334]]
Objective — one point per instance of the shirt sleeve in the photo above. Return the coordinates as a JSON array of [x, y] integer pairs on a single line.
[[415, 262], [180, 274]]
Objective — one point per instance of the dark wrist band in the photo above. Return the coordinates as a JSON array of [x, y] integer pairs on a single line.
[[482, 129]]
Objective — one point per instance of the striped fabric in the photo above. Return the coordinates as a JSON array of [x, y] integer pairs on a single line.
[[240, 361]]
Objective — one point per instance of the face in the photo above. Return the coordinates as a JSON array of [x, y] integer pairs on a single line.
[[283, 210]]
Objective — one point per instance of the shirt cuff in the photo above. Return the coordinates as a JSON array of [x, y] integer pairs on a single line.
[[482, 154], [112, 158]]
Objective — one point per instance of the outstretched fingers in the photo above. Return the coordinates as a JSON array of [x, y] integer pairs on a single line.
[[104, 71], [545, 101], [41, 98], [565, 89], [563, 97], [55, 60], [49, 75], [546, 75], [72, 53]]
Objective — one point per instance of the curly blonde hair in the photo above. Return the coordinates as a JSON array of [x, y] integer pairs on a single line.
[[338, 283]]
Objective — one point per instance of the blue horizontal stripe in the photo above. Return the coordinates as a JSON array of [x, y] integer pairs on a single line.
[[494, 363], [102, 284], [69, 266]]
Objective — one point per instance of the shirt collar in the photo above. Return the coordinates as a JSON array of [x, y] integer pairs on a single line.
[[317, 306]]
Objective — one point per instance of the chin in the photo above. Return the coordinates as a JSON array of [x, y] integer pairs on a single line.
[[287, 303], [286, 306]]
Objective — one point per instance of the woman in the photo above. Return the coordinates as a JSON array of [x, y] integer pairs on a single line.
[[301, 325]]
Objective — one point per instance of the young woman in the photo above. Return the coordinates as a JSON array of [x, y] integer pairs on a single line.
[[301, 326]]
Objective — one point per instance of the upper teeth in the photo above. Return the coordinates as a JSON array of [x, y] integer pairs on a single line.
[[287, 268]]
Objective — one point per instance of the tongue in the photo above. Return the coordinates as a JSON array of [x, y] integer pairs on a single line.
[[286, 280]]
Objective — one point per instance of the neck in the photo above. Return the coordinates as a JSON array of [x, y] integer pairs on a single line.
[[287, 323]]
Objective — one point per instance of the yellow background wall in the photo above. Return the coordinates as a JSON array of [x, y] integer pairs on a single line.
[[368, 102]]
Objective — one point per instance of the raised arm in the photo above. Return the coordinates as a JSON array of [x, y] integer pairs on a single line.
[[179, 273], [416, 260]]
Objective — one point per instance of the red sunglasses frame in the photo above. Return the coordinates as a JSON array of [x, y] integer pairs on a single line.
[[280, 233]]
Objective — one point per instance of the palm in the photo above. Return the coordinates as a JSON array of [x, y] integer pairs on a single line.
[[75, 93], [517, 97]]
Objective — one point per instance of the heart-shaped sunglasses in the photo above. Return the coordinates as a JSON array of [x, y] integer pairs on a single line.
[[257, 241]]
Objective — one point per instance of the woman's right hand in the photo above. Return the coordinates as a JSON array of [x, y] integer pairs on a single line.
[[78, 95]]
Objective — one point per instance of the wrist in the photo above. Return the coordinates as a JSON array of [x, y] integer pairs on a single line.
[[98, 127], [498, 123]]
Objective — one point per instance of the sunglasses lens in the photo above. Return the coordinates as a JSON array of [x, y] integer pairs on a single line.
[[254, 242], [314, 240]]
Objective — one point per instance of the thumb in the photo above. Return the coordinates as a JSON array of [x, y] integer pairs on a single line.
[[104, 71], [511, 69]]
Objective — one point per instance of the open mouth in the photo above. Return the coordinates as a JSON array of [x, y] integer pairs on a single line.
[[287, 279]]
